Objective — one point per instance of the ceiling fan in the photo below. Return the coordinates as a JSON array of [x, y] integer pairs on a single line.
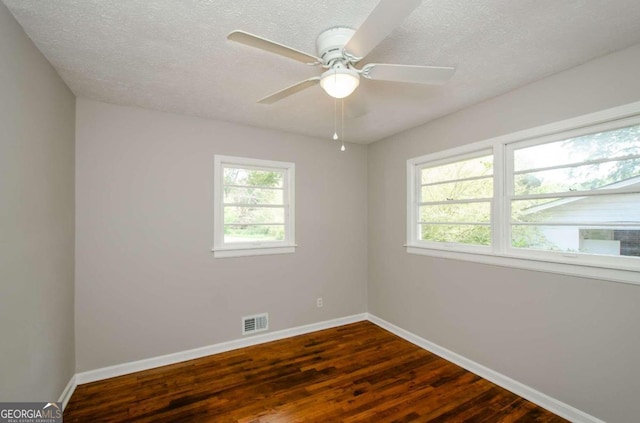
[[340, 49]]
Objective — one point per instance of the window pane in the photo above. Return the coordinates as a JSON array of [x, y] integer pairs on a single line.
[[234, 195], [479, 166], [466, 179], [463, 190], [250, 177], [544, 237], [253, 233], [602, 145], [533, 211], [464, 234], [467, 212], [249, 215], [615, 208], [578, 178], [606, 241]]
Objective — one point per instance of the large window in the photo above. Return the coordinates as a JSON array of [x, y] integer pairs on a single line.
[[254, 207], [567, 193]]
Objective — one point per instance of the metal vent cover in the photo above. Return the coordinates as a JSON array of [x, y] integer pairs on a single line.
[[256, 323]]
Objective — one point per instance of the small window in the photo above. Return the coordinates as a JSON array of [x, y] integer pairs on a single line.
[[454, 201], [253, 207]]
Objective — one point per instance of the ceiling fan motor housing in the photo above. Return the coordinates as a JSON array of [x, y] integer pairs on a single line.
[[330, 44]]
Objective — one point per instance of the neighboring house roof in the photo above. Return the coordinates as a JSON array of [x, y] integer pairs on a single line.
[[563, 201]]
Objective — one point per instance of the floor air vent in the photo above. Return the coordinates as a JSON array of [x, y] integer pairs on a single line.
[[257, 323]]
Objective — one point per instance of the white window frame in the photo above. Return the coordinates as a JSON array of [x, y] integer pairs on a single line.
[[501, 253], [240, 249]]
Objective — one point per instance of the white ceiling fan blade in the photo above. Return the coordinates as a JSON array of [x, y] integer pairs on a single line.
[[387, 15], [272, 46], [434, 75], [272, 98]]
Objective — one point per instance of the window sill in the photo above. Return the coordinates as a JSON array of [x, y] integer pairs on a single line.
[[585, 271], [252, 251]]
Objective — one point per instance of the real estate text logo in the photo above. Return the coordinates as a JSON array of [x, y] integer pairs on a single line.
[[30, 412]]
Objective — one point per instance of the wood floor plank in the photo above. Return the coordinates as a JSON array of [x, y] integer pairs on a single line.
[[354, 373]]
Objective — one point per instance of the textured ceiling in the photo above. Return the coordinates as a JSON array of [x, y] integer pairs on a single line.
[[173, 55]]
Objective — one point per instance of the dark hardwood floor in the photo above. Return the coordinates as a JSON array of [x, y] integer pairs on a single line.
[[353, 373]]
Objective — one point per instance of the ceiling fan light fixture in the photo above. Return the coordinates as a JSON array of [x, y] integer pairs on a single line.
[[340, 82]]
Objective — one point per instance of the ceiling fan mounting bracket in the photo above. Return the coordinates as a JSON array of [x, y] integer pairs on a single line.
[[350, 57], [366, 71], [330, 45]]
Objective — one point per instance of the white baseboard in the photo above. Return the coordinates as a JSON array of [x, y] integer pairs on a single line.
[[558, 407], [163, 360], [68, 391]]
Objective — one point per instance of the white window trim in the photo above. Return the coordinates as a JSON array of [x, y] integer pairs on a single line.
[[288, 245], [501, 253]]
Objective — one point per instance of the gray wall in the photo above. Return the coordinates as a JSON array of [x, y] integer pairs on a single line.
[[571, 338], [146, 280], [37, 114]]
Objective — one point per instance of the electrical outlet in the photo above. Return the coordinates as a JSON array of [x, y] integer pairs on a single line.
[[319, 302]]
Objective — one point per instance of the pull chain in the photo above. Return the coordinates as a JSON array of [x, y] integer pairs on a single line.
[[342, 104], [335, 119]]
